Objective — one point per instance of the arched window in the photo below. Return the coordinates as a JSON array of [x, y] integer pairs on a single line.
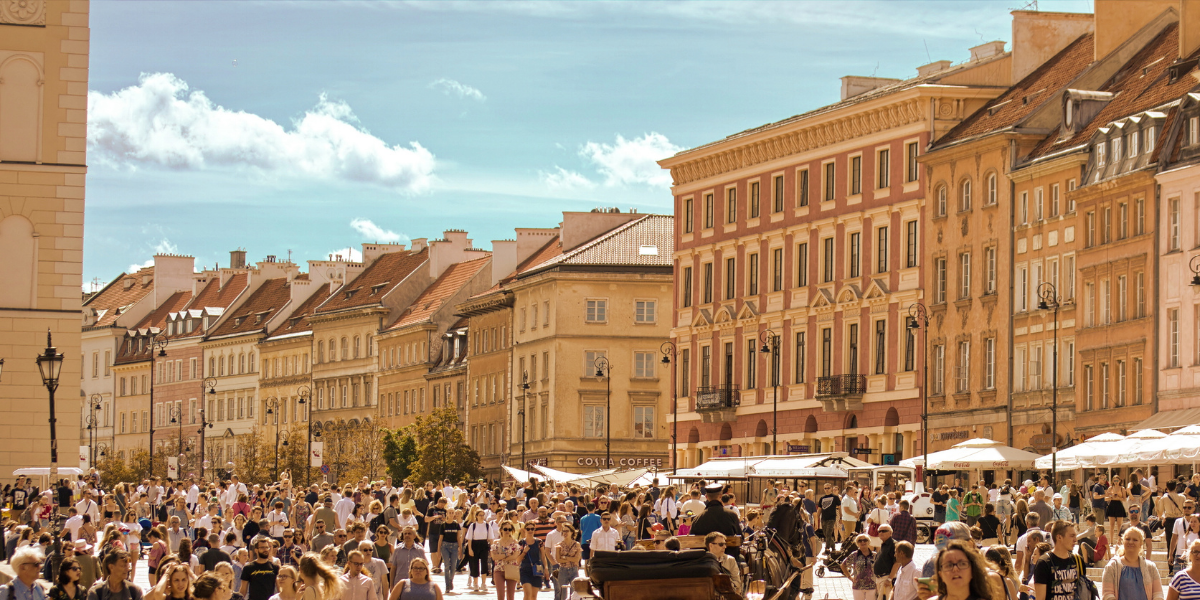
[[964, 195], [222, 365], [18, 247], [332, 350], [941, 201]]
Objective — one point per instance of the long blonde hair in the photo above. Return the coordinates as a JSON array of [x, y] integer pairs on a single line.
[[328, 584]]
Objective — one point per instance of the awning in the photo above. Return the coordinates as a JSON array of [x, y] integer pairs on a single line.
[[556, 475], [977, 453], [720, 468], [46, 471], [1171, 419], [523, 476], [813, 465]]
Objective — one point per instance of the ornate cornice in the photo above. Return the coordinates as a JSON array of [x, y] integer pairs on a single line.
[[801, 139]]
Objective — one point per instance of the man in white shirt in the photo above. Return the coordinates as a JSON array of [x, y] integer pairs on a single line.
[[87, 506], [449, 491], [344, 507], [74, 522], [1033, 521], [193, 495], [606, 537], [693, 503], [667, 508], [905, 573], [207, 520], [849, 510]]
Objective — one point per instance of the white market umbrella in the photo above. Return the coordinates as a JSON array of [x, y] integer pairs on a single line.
[[1125, 450], [1181, 447], [523, 476], [1080, 456], [556, 475], [979, 453]]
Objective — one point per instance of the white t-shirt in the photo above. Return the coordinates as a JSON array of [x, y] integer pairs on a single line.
[[278, 520], [849, 509], [343, 508]]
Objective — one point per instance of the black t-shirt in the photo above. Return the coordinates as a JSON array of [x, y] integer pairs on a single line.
[[1193, 490], [434, 512], [311, 498], [20, 496], [989, 524], [939, 500], [261, 577], [829, 503], [1059, 575], [212, 556], [1099, 502], [450, 532]]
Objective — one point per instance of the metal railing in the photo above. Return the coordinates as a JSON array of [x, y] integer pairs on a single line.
[[718, 397], [842, 385]]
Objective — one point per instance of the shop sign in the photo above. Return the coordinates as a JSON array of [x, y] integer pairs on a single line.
[[797, 449], [1044, 441], [953, 435], [598, 461]]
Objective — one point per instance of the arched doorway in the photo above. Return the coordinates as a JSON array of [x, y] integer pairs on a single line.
[[694, 436], [892, 418]]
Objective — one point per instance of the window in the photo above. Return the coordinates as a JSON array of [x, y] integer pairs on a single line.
[[705, 366], [708, 211], [852, 349], [1104, 386], [1089, 304], [754, 195], [913, 167], [1194, 130], [1173, 224], [1116, 149], [1122, 220], [1121, 383], [1122, 297], [883, 169], [685, 367], [989, 368], [1137, 381], [1035, 367], [1069, 359], [881, 250], [687, 287], [910, 244], [939, 369], [589, 364], [643, 422], [533, 323], [801, 265], [830, 173], [964, 367], [964, 195], [880, 347], [1090, 231], [1133, 144], [643, 364], [1100, 148], [989, 256], [730, 280], [778, 193], [545, 322], [95, 365], [643, 311], [855, 175], [939, 290], [1106, 224], [597, 311], [941, 201], [1139, 216], [1089, 391], [1021, 302], [827, 272], [826, 352], [1173, 337], [1105, 302], [1069, 274], [1023, 209], [731, 205], [1150, 139], [593, 421], [802, 187], [910, 348], [799, 378], [964, 275], [1140, 293], [1054, 200], [688, 215], [751, 364], [855, 247], [1039, 204], [108, 362], [992, 192], [707, 283], [777, 269], [752, 275]]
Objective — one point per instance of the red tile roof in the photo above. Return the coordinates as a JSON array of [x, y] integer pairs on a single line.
[[157, 319], [441, 290], [109, 302], [298, 321], [369, 288], [623, 246], [214, 295], [1028, 95], [254, 313], [1140, 85], [550, 251]]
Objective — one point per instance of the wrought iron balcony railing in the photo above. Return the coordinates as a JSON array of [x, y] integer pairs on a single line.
[[842, 385], [718, 397]]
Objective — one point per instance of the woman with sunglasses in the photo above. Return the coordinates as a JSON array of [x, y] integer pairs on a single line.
[[532, 571], [505, 556], [859, 568], [67, 586]]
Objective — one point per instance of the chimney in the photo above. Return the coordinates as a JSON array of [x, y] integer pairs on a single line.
[[1118, 20], [933, 67], [237, 259], [854, 85], [579, 228], [987, 50], [1038, 36]]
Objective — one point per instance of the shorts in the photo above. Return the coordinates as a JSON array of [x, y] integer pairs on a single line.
[[535, 580]]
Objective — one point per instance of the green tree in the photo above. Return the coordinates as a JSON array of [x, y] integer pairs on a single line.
[[399, 452], [442, 452]]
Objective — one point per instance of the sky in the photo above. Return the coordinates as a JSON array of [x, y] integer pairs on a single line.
[[305, 129]]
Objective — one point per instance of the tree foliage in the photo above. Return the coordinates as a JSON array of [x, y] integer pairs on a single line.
[[442, 452], [399, 452]]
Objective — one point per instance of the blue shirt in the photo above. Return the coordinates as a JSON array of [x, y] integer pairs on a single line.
[[1131, 586], [24, 592], [588, 525]]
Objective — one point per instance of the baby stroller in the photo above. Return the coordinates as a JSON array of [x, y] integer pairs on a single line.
[[833, 558]]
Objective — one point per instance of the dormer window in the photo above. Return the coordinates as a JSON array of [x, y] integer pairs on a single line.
[[1100, 154], [1150, 139], [1116, 149], [237, 321], [1194, 131], [1133, 144], [375, 289]]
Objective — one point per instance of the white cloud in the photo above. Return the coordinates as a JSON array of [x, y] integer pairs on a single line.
[[158, 123], [632, 161], [350, 254], [375, 233], [452, 87], [164, 246], [562, 178]]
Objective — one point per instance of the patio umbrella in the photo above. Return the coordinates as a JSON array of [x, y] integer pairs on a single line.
[[1080, 456], [1181, 447], [979, 453], [1120, 452]]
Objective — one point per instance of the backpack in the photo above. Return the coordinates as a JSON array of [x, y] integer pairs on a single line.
[[377, 522], [1085, 589]]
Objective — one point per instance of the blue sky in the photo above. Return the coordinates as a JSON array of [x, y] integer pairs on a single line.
[[314, 126]]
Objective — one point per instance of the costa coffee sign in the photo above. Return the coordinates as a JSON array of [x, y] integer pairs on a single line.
[[598, 461]]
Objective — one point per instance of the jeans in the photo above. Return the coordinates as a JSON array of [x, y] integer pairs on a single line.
[[449, 552], [562, 585]]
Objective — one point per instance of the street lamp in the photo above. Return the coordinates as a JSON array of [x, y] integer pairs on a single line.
[[50, 366], [94, 402], [159, 343], [1194, 265], [770, 341], [285, 445], [176, 414], [305, 392], [603, 369], [1049, 300], [521, 413], [210, 394], [668, 352], [918, 318], [272, 405], [90, 421]]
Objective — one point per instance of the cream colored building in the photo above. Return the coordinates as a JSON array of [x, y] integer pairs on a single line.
[[43, 128]]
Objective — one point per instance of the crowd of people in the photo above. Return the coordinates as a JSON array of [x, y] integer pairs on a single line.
[[382, 540]]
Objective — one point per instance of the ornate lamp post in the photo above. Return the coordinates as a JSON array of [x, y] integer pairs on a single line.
[[210, 393], [94, 402], [50, 365], [603, 369], [305, 394], [285, 434], [918, 318], [176, 414], [521, 413], [157, 343], [770, 341], [272, 405], [668, 352], [1049, 300]]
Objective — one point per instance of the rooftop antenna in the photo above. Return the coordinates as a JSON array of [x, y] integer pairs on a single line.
[[872, 75], [927, 55], [95, 284], [289, 255], [981, 38]]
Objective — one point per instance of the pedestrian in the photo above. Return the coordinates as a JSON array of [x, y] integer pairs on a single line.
[[356, 584], [567, 556], [505, 555], [1185, 585], [859, 568], [1056, 574], [715, 542], [1129, 574], [68, 586], [531, 569], [961, 574], [418, 585], [321, 581]]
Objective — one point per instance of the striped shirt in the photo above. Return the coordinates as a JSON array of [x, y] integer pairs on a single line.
[[1188, 588]]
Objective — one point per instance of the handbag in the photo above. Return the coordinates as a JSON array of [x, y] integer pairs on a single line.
[[512, 572], [873, 528]]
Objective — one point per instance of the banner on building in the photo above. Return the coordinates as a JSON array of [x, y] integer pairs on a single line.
[[173, 467], [318, 452], [84, 463]]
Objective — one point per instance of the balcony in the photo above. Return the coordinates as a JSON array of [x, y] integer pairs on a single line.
[[841, 393], [718, 404]]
